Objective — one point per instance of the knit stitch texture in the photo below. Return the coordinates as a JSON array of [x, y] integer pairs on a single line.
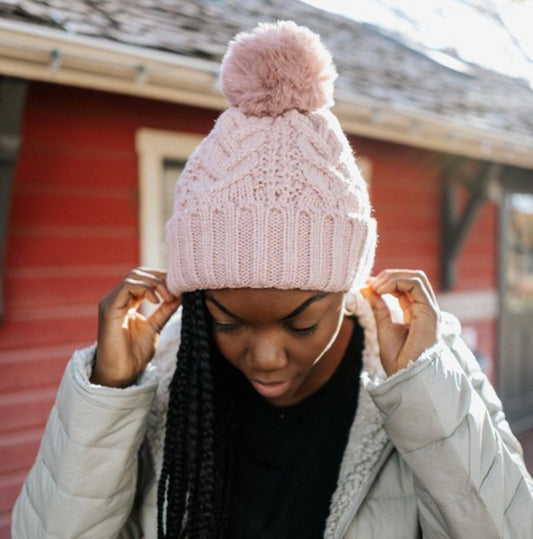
[[273, 201]]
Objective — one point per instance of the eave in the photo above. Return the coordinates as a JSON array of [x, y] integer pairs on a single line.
[[39, 53]]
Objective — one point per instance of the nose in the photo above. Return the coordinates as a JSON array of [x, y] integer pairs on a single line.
[[266, 352]]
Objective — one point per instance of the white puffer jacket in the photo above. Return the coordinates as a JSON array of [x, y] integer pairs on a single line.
[[430, 454]]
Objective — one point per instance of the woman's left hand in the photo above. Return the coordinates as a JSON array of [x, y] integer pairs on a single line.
[[401, 343]]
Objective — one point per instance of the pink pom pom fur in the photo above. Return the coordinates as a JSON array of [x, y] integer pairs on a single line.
[[278, 67]]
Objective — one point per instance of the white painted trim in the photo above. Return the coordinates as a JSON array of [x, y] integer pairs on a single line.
[[432, 132], [153, 147], [365, 166], [37, 53], [470, 306]]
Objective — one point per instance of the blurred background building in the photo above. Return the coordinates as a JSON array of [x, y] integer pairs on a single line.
[[101, 102]]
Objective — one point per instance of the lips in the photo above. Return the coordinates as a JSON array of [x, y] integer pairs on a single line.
[[270, 389]]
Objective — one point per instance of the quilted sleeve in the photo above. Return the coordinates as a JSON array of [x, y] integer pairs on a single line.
[[446, 421], [83, 481]]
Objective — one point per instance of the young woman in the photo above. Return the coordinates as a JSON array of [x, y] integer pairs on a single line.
[[297, 407]]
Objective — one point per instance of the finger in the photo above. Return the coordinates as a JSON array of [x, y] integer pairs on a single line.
[[131, 316], [390, 274], [405, 305], [159, 276], [412, 286], [407, 274], [378, 305], [154, 277], [153, 271], [369, 294], [162, 314], [385, 309], [132, 293]]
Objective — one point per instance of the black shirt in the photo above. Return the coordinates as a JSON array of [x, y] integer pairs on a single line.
[[287, 459]]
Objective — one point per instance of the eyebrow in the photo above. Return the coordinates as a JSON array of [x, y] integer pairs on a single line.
[[292, 314], [220, 306]]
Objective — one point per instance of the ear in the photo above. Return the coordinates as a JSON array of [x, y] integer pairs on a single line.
[[349, 303]]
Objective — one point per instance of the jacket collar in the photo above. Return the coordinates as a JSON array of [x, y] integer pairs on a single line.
[[368, 444]]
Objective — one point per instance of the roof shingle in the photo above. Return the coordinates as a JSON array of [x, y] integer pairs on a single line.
[[373, 66]]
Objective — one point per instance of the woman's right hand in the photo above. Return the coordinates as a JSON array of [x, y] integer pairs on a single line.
[[126, 339]]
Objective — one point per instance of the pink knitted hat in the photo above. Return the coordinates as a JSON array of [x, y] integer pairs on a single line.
[[272, 197]]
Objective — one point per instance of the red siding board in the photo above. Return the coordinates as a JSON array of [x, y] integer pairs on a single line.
[[405, 194], [25, 250], [34, 332], [96, 133], [62, 210], [18, 374], [105, 121], [477, 262], [9, 489], [25, 410], [51, 291], [5, 526], [87, 170], [17, 451]]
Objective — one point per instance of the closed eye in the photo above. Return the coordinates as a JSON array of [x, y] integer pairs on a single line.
[[303, 332], [219, 326]]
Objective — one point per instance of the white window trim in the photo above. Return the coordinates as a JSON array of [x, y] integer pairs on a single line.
[[153, 147], [470, 306], [365, 166]]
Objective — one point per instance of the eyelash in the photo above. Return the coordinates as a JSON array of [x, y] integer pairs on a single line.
[[304, 332], [300, 332], [218, 326]]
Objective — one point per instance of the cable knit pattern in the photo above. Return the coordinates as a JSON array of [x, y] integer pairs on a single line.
[[272, 201]]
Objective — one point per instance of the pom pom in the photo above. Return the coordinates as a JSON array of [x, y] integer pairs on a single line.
[[275, 68]]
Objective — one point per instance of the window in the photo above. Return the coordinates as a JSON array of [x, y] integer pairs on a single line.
[[162, 155], [519, 271]]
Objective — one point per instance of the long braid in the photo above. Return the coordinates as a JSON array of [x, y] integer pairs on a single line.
[[173, 474], [206, 476], [225, 446], [193, 489]]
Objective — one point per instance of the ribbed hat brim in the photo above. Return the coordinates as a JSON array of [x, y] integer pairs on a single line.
[[268, 248]]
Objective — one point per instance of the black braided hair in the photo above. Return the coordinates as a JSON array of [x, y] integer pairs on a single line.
[[194, 487]]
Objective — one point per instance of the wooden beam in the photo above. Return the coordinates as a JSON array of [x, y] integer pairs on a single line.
[[455, 225]]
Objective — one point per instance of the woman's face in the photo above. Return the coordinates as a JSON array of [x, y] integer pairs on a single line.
[[287, 343]]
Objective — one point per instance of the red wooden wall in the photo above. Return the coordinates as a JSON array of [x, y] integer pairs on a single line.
[[73, 234], [406, 194]]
